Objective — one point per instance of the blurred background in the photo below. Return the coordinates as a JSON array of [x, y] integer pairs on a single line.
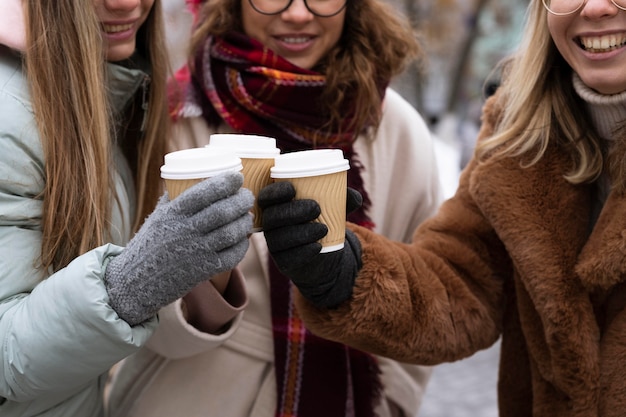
[[463, 40]]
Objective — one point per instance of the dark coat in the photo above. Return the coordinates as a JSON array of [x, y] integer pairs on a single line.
[[512, 254]]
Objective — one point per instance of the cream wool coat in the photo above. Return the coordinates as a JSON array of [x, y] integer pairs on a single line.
[[188, 373], [511, 254]]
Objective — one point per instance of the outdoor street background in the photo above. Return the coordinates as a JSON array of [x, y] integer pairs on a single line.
[[466, 388]]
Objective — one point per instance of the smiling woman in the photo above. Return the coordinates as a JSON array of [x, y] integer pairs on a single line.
[[82, 137], [546, 274], [56, 171], [310, 74], [120, 25], [295, 32], [594, 51]]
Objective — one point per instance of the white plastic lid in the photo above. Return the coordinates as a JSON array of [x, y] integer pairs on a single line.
[[309, 163], [245, 146], [199, 163]]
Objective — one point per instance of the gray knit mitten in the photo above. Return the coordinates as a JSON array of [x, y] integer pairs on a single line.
[[202, 232]]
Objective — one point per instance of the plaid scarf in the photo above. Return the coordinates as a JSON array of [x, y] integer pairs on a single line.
[[253, 90]]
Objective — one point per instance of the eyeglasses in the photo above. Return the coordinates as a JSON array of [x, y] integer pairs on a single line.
[[320, 8], [565, 7]]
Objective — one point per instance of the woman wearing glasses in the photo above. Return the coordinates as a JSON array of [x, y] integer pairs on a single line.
[[310, 74], [531, 247]]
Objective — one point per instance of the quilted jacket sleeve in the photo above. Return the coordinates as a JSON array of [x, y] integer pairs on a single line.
[[63, 333], [58, 334]]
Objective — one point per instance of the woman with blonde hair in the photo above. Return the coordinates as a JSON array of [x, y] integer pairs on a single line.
[[83, 122], [311, 74], [529, 249]]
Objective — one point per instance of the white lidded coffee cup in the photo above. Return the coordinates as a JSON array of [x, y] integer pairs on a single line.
[[321, 175]]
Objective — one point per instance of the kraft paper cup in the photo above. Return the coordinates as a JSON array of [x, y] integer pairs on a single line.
[[257, 155], [321, 175], [182, 169]]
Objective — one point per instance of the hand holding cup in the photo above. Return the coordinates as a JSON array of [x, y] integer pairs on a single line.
[[197, 233], [257, 155]]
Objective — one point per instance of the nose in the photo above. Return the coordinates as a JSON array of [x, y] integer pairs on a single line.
[[297, 12], [596, 9]]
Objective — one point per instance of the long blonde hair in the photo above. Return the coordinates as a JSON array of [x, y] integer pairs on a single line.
[[539, 104], [376, 45], [65, 67]]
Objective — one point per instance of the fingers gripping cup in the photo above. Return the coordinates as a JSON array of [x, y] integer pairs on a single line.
[[321, 175], [257, 155], [182, 169]]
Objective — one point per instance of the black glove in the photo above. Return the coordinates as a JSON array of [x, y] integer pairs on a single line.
[[325, 279], [202, 232]]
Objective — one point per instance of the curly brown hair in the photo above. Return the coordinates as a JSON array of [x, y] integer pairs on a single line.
[[377, 44]]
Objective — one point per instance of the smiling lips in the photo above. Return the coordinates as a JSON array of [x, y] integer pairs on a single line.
[[295, 39], [605, 43], [116, 28]]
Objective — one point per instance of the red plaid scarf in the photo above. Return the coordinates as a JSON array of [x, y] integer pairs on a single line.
[[255, 91]]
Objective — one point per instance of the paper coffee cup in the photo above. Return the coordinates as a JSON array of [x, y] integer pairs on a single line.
[[182, 169], [257, 155], [321, 175]]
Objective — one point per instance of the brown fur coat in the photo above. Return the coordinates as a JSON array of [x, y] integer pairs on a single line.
[[510, 255]]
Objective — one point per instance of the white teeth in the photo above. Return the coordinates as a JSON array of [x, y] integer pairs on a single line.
[[603, 43], [116, 28], [299, 39]]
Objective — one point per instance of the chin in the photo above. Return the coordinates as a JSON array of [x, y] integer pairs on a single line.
[[119, 53], [605, 83], [609, 89], [305, 64]]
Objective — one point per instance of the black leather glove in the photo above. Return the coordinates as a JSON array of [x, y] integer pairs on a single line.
[[325, 279]]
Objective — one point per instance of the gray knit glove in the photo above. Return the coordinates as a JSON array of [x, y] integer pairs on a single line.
[[200, 233]]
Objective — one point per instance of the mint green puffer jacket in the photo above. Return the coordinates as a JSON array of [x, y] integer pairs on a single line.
[[58, 334]]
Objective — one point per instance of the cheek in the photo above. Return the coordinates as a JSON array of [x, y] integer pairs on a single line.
[[558, 32], [335, 29], [248, 24], [251, 21], [257, 28], [251, 26], [146, 8]]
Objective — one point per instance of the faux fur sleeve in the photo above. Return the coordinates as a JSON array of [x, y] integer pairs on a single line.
[[434, 300]]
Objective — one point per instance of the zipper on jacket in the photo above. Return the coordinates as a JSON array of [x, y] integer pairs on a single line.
[[144, 101]]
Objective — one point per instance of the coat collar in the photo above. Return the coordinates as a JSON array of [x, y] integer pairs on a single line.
[[544, 221], [124, 83], [549, 220], [12, 25]]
